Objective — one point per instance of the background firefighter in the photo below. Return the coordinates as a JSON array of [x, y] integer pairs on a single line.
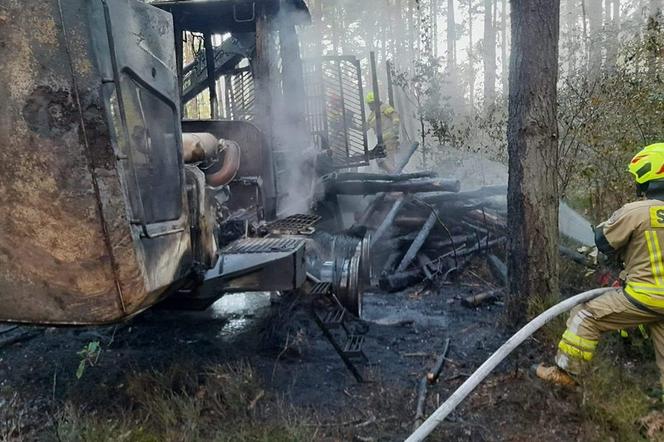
[[390, 125], [635, 236]]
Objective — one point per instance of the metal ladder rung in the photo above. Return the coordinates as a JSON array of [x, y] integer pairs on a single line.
[[353, 346], [321, 288], [344, 355], [335, 318]]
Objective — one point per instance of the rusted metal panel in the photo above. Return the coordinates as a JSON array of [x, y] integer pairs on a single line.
[[68, 251], [54, 260]]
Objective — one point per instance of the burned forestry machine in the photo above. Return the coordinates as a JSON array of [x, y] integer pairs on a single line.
[[111, 202], [115, 196]]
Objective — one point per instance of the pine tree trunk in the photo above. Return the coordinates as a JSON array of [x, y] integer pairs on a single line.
[[594, 10], [451, 38], [471, 71], [489, 54], [434, 28], [612, 27], [397, 37], [503, 48], [584, 21], [411, 30], [571, 11], [335, 31], [533, 155]]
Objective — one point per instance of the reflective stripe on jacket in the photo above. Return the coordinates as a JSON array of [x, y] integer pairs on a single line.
[[636, 232], [389, 121]]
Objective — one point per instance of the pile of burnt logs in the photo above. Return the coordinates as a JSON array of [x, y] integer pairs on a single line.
[[425, 235], [423, 227]]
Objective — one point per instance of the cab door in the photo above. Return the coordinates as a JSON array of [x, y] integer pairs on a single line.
[[135, 48]]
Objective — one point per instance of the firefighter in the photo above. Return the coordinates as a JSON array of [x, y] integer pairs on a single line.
[[390, 125], [634, 235]]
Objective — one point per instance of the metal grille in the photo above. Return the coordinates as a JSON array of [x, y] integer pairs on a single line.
[[335, 109], [321, 288], [262, 245], [353, 346], [334, 318], [240, 95], [294, 224]]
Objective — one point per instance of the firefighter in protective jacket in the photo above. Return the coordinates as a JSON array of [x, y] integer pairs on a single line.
[[634, 235], [390, 124]]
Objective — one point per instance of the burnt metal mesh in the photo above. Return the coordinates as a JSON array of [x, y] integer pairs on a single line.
[[262, 245], [293, 224], [240, 95], [320, 289], [335, 109]]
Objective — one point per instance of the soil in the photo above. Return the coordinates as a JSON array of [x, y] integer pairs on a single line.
[[404, 332]]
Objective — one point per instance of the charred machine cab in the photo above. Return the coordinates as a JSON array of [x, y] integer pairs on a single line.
[[111, 201]]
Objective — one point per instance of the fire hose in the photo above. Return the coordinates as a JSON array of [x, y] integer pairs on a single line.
[[438, 416]]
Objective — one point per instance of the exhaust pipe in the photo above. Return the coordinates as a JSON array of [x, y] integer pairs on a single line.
[[198, 146], [223, 171], [220, 158]]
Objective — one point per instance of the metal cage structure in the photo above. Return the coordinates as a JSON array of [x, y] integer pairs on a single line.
[[335, 109], [240, 97]]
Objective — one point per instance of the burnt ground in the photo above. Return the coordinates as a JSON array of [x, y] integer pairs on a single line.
[[297, 367]]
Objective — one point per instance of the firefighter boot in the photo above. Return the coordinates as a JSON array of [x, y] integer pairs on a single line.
[[554, 375]]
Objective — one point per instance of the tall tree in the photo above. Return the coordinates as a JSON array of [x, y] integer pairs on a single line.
[[489, 54], [400, 35], [471, 60], [503, 47], [532, 137], [411, 29], [451, 38], [434, 27], [584, 21], [612, 26], [594, 10], [569, 34]]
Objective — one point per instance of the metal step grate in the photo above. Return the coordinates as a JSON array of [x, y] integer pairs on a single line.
[[321, 289], [262, 245], [353, 346], [334, 318], [294, 224]]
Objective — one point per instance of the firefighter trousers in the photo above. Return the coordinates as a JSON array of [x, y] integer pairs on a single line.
[[608, 312], [388, 163]]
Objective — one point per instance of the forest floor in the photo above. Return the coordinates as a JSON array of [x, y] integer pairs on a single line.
[[256, 367]]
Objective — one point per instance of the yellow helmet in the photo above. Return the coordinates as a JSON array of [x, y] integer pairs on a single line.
[[648, 165], [370, 98]]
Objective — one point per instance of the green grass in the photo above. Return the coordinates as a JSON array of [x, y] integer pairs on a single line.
[[614, 398], [224, 403], [550, 334]]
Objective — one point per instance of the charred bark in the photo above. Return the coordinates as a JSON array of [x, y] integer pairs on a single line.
[[533, 155]]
